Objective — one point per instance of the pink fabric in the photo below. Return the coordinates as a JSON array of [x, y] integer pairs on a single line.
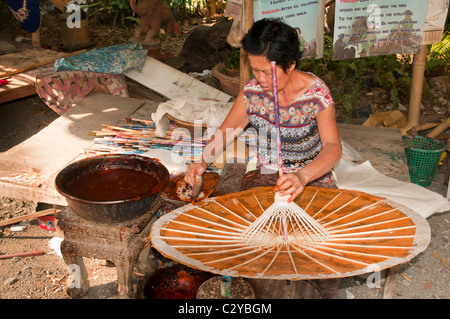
[[61, 90]]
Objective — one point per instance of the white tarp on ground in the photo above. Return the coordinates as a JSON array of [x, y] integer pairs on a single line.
[[363, 177]]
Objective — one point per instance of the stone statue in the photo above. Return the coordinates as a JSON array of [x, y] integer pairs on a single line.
[[153, 15]]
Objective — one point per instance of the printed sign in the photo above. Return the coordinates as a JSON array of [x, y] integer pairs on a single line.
[[378, 27], [435, 21], [301, 15]]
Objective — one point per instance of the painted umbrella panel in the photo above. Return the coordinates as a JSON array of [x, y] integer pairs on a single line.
[[365, 234]]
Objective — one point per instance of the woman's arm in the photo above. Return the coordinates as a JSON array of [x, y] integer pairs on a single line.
[[232, 126], [294, 183]]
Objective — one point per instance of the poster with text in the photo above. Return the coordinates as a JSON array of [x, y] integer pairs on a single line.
[[435, 21], [299, 14], [378, 27]]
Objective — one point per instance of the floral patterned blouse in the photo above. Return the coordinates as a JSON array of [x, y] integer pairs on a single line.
[[300, 140]]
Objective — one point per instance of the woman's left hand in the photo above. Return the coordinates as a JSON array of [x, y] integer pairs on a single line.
[[292, 184]]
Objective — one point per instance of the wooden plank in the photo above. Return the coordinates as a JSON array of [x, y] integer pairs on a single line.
[[16, 89], [37, 64], [391, 282], [172, 83], [28, 170], [23, 59], [382, 146]]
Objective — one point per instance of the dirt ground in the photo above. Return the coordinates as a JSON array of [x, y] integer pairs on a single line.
[[45, 276]]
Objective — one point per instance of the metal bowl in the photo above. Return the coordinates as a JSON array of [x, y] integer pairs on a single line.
[[84, 185]]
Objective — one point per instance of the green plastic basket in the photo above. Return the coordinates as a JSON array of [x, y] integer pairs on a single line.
[[422, 155]]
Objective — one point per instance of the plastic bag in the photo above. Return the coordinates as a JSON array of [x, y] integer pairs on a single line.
[[237, 31]]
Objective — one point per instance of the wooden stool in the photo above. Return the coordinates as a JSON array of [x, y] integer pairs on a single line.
[[119, 243]]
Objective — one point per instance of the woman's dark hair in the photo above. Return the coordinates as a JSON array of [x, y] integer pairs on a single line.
[[276, 40]]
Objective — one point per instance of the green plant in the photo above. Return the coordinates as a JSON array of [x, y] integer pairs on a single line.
[[184, 9], [438, 58], [104, 10], [232, 59]]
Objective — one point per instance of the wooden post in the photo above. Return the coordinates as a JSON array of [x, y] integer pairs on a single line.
[[415, 97], [245, 70]]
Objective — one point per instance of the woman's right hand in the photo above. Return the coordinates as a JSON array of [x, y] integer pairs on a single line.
[[196, 169]]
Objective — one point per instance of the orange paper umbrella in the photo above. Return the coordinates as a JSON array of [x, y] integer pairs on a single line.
[[364, 233]]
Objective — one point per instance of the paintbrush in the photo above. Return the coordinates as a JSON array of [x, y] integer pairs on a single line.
[[197, 188]]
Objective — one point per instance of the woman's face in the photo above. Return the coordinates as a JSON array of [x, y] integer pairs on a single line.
[[262, 70]]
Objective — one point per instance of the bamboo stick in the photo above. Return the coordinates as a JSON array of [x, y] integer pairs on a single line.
[[439, 129], [25, 254]]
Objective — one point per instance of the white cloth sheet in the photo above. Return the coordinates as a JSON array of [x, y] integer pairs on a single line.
[[365, 178], [190, 109]]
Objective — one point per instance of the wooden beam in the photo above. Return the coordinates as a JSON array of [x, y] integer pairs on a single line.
[[245, 70]]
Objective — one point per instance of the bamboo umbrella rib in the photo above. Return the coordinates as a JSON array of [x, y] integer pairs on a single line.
[[368, 225], [353, 252], [208, 246], [353, 213], [338, 209], [301, 251], [370, 238], [272, 260], [227, 220], [363, 219], [337, 256], [326, 205], [238, 256], [197, 234], [373, 231], [238, 201], [258, 228], [199, 239], [291, 258], [316, 230], [263, 210], [251, 260], [366, 246], [208, 221], [301, 230], [311, 200], [233, 213], [204, 228], [217, 251]]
